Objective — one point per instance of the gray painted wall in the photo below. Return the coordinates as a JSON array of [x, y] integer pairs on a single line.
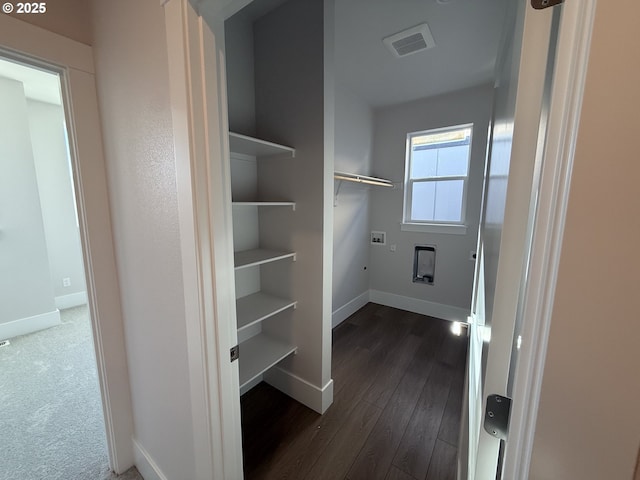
[[240, 74], [25, 278], [48, 140], [392, 271], [353, 153], [290, 109]]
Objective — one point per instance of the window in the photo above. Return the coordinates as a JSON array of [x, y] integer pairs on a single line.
[[436, 174]]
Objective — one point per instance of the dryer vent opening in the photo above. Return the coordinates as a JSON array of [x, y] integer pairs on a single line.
[[424, 264]]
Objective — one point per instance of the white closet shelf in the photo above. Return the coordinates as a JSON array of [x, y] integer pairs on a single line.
[[259, 306], [265, 204], [257, 148], [259, 354], [250, 258]]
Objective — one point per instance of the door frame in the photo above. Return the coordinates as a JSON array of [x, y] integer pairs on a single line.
[[74, 61], [567, 91], [198, 96]]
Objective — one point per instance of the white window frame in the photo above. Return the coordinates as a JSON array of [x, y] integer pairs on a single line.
[[408, 224]]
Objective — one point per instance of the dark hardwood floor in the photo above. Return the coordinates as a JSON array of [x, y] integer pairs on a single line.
[[398, 386]]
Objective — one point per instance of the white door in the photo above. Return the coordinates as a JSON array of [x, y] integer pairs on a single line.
[[521, 102]]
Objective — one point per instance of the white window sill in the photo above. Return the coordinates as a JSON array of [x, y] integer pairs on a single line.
[[434, 228]]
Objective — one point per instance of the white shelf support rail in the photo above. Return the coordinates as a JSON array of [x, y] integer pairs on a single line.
[[362, 179]]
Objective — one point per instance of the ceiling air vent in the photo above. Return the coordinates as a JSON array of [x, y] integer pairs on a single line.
[[411, 40]]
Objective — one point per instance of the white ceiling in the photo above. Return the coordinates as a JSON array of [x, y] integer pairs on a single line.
[[467, 34], [38, 84]]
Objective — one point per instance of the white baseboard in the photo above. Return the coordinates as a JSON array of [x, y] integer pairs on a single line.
[[424, 307], [145, 464], [318, 399], [27, 325], [72, 300], [348, 309]]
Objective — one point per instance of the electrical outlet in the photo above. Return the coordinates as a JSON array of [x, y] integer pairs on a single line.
[[393, 247], [66, 282]]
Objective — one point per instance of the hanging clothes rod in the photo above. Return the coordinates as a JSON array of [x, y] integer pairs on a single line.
[[352, 177], [364, 179]]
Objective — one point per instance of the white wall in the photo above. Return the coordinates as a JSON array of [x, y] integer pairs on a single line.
[[588, 420], [49, 143], [353, 153], [133, 91], [391, 272], [26, 294], [240, 74]]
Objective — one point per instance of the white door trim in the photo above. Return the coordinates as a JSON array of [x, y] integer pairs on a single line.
[[198, 104], [74, 61], [572, 57]]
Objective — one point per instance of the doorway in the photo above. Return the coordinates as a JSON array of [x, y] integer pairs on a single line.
[[73, 62], [222, 9], [52, 403], [370, 135]]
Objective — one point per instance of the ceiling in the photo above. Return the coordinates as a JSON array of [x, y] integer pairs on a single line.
[[466, 32], [38, 84]]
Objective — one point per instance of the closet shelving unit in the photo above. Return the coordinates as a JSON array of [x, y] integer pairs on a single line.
[[258, 351]]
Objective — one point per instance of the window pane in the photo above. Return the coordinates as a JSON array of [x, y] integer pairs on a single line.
[[424, 163], [453, 161], [437, 201], [423, 195], [448, 200]]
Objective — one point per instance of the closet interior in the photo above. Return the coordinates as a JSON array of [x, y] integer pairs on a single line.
[[277, 162]]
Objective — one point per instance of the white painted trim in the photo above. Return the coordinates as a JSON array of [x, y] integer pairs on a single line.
[[316, 398], [198, 104], [220, 224], [71, 300], [434, 228], [564, 114], [532, 74], [145, 464], [24, 326], [189, 118], [329, 99], [349, 308], [90, 181], [22, 37], [424, 307]]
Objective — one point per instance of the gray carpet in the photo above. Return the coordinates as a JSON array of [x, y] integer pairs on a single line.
[[51, 423]]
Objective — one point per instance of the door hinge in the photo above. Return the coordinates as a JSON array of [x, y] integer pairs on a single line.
[[235, 353], [541, 4], [496, 416]]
